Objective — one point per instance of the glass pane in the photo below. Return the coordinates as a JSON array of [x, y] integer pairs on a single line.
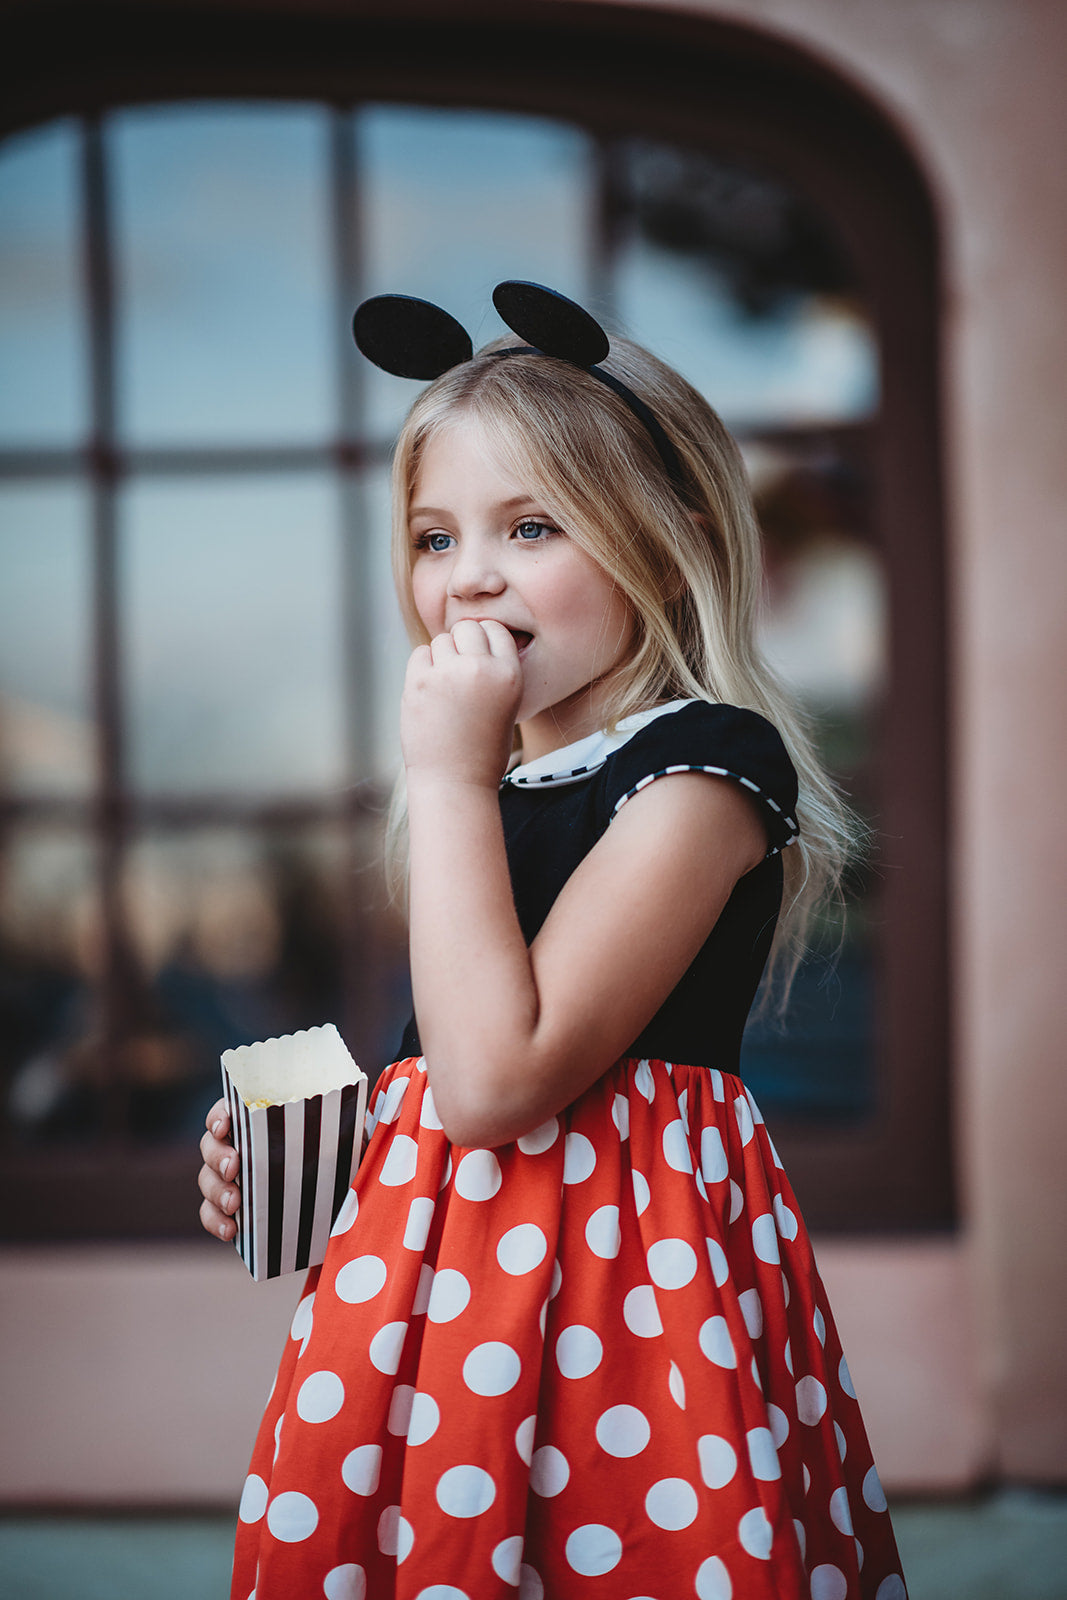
[[46, 726], [44, 393], [238, 937], [232, 635], [392, 647], [224, 262], [455, 201], [51, 954], [734, 279]]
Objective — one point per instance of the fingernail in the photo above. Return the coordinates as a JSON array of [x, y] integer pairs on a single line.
[[224, 1232], [224, 1169], [216, 1127]]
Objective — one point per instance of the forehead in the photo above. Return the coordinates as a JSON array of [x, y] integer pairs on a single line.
[[461, 456]]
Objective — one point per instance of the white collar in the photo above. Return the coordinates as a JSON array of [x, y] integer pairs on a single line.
[[573, 762]]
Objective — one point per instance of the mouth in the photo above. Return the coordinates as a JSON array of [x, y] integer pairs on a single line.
[[522, 639]]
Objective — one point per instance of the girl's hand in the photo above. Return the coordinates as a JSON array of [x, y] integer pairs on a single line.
[[218, 1175], [461, 696]]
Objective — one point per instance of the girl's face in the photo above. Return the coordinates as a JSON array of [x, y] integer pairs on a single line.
[[486, 547]]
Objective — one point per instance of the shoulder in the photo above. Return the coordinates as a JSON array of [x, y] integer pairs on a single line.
[[723, 741]]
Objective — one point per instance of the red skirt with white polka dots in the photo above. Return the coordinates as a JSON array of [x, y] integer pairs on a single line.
[[598, 1362]]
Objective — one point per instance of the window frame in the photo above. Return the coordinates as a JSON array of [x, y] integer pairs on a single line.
[[613, 72]]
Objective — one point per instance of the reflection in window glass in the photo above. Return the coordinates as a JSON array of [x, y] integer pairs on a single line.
[[46, 730], [52, 956], [222, 223], [44, 393], [232, 618], [454, 202]]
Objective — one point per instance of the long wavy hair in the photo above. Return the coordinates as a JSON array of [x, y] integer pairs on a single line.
[[687, 557]]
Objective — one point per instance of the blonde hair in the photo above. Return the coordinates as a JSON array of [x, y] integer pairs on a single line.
[[687, 557]]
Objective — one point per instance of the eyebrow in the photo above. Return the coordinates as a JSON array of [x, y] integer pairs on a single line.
[[504, 505]]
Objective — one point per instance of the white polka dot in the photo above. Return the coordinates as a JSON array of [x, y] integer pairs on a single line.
[[811, 1400], [683, 1108], [756, 1379], [713, 1581], [642, 1193], [802, 1539], [442, 1591], [828, 1583], [765, 1239], [278, 1435], [549, 1471], [718, 1460], [292, 1517], [557, 1280], [578, 1351], [859, 1554], [360, 1280], [478, 1176], [254, 1497], [763, 1455], [844, 1377], [840, 1512], [720, 1267], [394, 1097], [302, 1320], [507, 1559], [807, 1476], [386, 1347], [676, 1384], [491, 1368], [603, 1234], [779, 1425], [389, 1531], [465, 1491], [320, 1397], [593, 1549], [672, 1263], [640, 1312], [672, 1504], [743, 1113], [786, 1219], [644, 1082], [842, 1442], [361, 1469], [423, 1289], [718, 1089], [620, 1115], [752, 1311], [787, 1294], [425, 1417], [702, 1188], [446, 1175], [787, 1355], [818, 1322], [873, 1493], [676, 1151], [737, 1201], [417, 1229], [892, 1588], [400, 1410], [623, 1431], [716, 1343], [401, 1161], [428, 1117], [449, 1296], [347, 1214], [405, 1539], [345, 1583], [579, 1158], [756, 1534], [521, 1249], [540, 1139], [524, 1439], [530, 1585]]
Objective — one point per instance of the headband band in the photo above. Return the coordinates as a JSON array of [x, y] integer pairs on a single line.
[[415, 339]]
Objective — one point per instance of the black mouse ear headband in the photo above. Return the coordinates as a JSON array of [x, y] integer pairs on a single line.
[[414, 339]]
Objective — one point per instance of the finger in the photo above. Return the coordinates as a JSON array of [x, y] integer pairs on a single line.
[[215, 1223], [470, 637], [223, 1196], [218, 1119], [220, 1156], [441, 647], [500, 640]]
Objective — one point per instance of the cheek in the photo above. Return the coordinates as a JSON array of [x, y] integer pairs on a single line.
[[427, 596]]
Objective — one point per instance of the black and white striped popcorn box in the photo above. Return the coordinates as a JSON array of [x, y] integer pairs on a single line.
[[299, 1151]]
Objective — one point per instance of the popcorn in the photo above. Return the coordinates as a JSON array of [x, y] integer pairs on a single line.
[[297, 1108]]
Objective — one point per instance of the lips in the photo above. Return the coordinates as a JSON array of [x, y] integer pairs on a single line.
[[521, 639]]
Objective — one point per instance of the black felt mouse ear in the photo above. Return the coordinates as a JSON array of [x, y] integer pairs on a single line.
[[551, 323], [410, 338]]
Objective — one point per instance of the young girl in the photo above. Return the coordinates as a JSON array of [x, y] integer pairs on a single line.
[[569, 1338]]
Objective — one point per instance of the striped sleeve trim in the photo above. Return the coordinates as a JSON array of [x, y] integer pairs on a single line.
[[788, 822]]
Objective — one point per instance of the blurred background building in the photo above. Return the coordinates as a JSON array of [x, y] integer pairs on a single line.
[[844, 222]]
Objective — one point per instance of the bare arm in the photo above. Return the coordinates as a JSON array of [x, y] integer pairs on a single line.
[[512, 1034]]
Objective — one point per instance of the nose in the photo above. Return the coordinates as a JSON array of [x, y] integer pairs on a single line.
[[475, 571]]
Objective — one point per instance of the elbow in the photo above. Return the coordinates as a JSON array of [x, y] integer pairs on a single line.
[[472, 1114]]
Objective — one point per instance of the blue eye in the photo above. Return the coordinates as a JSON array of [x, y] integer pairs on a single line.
[[530, 530], [435, 542]]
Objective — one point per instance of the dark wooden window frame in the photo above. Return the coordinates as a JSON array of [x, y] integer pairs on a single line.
[[617, 72]]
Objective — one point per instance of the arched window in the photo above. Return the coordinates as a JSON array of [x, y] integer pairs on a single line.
[[198, 654]]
